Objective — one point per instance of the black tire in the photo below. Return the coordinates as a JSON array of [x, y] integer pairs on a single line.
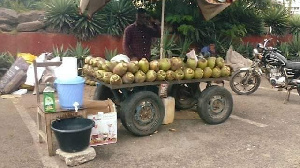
[[249, 87], [215, 105], [186, 95], [142, 104]]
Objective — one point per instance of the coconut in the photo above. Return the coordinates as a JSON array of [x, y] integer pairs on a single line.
[[133, 66], [111, 65], [211, 62], [85, 68], [99, 74], [202, 63], [115, 79], [151, 75], [100, 63], [220, 62], [225, 71], [170, 75], [154, 65], [191, 63], [128, 78], [176, 63], [106, 77], [179, 74], [120, 69], [164, 64], [139, 76], [87, 59], [207, 72], [144, 65], [189, 73], [198, 73], [161, 75], [216, 72]]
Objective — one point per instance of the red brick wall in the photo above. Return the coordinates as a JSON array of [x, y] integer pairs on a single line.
[[37, 43], [253, 40]]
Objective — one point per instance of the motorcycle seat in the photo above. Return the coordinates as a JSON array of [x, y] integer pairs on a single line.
[[293, 65]]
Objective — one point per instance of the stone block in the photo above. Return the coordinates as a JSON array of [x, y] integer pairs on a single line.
[[77, 158]]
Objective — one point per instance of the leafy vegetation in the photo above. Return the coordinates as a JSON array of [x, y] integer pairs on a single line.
[[109, 54], [6, 60]]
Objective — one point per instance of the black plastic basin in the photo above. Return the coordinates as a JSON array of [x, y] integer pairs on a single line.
[[73, 134]]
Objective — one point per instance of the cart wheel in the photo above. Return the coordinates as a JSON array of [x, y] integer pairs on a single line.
[[142, 113], [186, 95], [215, 105]]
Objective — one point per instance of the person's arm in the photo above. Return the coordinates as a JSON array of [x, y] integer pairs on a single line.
[[154, 28]]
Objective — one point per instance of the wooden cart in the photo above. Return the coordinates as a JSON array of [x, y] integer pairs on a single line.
[[142, 110]]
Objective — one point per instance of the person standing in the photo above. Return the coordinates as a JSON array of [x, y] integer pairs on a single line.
[[138, 36]]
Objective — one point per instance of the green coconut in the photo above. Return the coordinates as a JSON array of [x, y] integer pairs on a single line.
[[191, 63], [115, 79], [216, 72], [211, 62], [154, 65], [220, 62], [120, 69], [170, 75], [202, 63], [161, 75], [164, 64], [106, 77], [87, 59], [189, 73], [144, 65], [198, 73], [99, 74], [151, 76], [128, 78], [139, 76], [133, 66], [179, 74], [225, 71], [176, 63], [207, 72]]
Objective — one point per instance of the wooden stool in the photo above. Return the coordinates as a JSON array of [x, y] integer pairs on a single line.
[[44, 130]]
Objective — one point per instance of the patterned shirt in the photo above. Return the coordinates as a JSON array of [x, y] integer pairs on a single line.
[[137, 40]]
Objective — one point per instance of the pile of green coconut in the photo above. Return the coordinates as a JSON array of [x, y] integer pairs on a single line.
[[165, 69]]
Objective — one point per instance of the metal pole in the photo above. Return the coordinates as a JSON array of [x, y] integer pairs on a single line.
[[162, 53]]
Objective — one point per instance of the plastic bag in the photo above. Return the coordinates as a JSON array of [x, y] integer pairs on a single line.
[[236, 60], [29, 58]]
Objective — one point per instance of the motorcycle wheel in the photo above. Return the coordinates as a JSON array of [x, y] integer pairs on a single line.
[[241, 86], [186, 95]]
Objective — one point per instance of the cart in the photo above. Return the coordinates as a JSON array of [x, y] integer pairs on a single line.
[[141, 108]]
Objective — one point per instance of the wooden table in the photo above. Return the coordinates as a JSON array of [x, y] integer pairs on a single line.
[[45, 119]]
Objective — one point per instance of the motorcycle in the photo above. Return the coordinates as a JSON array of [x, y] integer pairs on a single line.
[[268, 62]]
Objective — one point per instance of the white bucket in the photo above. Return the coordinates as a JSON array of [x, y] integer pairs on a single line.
[[68, 68]]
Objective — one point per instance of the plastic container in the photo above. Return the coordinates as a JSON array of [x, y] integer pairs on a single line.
[[169, 104], [73, 134], [69, 91], [49, 100]]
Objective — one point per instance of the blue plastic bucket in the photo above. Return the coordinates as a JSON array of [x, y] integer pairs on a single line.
[[70, 91]]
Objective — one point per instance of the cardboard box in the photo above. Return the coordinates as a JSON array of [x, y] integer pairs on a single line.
[[105, 116]]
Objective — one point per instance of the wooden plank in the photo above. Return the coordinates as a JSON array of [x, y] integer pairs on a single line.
[[162, 82]]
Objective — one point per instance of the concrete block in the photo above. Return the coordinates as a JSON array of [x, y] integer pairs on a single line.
[[77, 158]]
